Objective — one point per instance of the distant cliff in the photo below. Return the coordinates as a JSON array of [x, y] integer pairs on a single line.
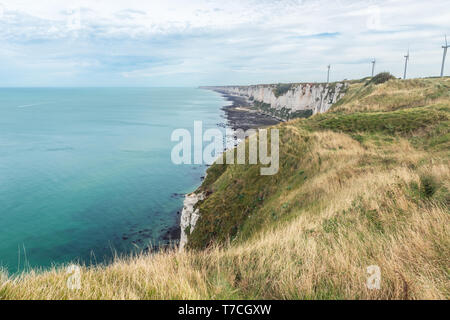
[[288, 101]]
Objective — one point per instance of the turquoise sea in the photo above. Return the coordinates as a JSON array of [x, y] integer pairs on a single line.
[[86, 172]]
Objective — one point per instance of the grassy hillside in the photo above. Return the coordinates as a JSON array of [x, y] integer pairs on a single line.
[[365, 184]]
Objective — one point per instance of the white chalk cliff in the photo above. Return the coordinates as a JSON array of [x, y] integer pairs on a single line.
[[189, 216], [295, 97]]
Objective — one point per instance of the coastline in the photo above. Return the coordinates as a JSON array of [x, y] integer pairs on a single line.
[[239, 115], [175, 235]]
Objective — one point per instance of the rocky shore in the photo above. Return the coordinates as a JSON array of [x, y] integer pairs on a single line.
[[240, 115]]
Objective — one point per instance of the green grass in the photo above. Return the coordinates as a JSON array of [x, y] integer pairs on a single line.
[[232, 200], [405, 121]]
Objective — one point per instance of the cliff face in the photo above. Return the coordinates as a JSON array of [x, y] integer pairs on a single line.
[[287, 101], [189, 217]]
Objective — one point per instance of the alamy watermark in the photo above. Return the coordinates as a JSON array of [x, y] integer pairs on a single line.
[[2, 10], [74, 19], [258, 147], [374, 18], [374, 279], [370, 10], [74, 280]]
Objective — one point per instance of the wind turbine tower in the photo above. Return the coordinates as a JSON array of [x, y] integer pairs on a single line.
[[373, 66], [328, 74], [445, 47], [406, 64]]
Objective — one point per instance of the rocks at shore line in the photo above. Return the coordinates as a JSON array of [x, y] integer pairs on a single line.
[[172, 234]]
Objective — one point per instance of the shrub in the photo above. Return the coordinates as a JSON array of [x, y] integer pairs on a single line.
[[381, 78], [281, 89], [428, 186]]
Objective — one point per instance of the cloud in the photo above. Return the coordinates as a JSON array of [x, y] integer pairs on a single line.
[[202, 42]]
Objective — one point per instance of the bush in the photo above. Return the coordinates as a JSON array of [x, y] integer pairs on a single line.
[[428, 186], [381, 78], [281, 89]]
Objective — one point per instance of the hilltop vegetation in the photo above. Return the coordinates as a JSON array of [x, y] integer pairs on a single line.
[[366, 183], [281, 89]]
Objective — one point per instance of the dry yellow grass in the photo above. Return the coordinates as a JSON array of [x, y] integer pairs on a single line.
[[394, 95]]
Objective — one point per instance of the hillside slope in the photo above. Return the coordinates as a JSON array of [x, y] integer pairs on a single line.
[[366, 183]]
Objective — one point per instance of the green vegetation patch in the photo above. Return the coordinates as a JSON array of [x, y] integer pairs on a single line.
[[403, 121], [283, 113], [281, 89], [381, 78], [367, 96], [238, 192]]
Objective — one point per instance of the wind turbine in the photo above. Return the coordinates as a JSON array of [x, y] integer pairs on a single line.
[[328, 75], [445, 53], [373, 66], [406, 64]]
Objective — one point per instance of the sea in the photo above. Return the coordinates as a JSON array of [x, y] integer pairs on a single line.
[[86, 173]]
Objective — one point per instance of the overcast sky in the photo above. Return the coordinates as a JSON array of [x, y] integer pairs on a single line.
[[208, 42]]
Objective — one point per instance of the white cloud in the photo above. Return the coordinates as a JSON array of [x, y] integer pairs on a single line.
[[209, 41]]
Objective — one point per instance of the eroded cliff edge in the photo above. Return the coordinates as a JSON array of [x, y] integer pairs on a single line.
[[189, 217], [288, 101], [282, 101]]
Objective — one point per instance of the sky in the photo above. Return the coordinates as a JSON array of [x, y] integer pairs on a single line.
[[216, 42]]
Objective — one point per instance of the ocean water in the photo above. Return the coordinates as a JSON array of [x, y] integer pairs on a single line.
[[86, 172]]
